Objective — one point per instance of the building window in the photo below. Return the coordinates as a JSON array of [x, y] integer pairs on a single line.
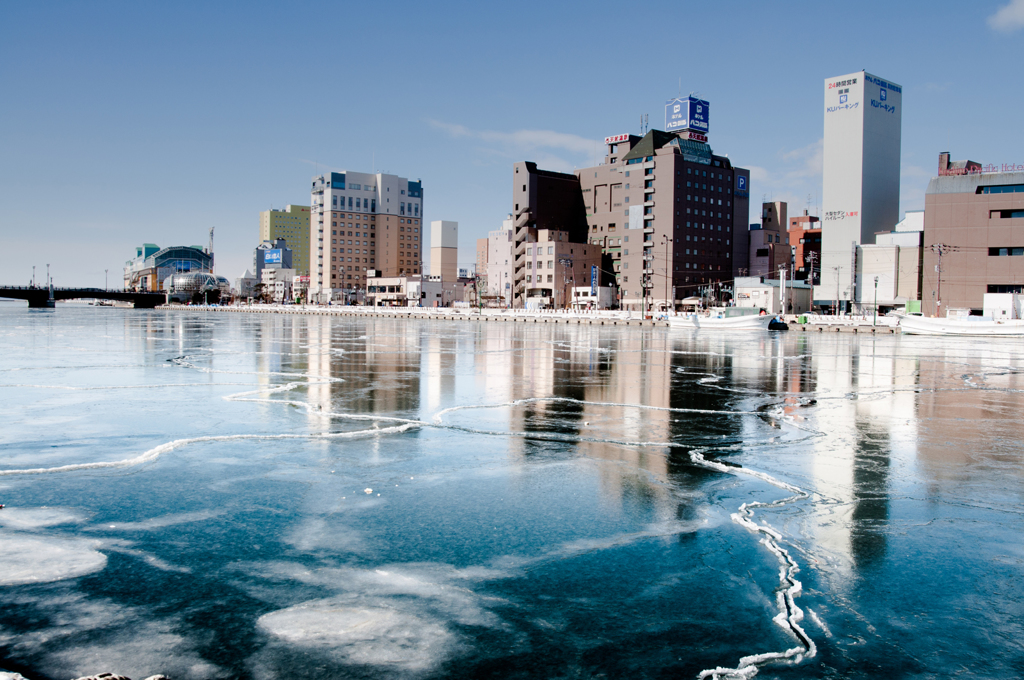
[[1004, 252], [1004, 189], [1006, 288], [1005, 214]]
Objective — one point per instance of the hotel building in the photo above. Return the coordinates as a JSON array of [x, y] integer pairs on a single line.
[[362, 222], [669, 214], [973, 235]]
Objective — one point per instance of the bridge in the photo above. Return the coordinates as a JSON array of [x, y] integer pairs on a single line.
[[41, 297]]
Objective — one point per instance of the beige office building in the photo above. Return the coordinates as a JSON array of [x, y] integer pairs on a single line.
[[444, 250], [291, 224], [361, 223]]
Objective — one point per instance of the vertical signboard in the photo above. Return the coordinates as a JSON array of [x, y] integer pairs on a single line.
[[593, 280]]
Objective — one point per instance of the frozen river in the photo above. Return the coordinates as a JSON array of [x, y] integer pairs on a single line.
[[276, 496]]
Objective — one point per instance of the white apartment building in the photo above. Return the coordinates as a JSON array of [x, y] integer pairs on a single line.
[[501, 262]]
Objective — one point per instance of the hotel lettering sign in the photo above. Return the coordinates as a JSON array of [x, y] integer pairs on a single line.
[[982, 169], [615, 139]]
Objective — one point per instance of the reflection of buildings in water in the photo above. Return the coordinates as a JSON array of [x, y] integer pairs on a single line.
[[319, 353], [378, 361], [867, 420], [639, 372], [440, 353], [974, 412], [519, 361]]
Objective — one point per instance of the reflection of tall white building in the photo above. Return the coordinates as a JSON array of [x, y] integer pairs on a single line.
[[870, 425], [861, 182]]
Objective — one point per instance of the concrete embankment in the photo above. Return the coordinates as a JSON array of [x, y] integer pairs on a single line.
[[617, 319], [816, 325]]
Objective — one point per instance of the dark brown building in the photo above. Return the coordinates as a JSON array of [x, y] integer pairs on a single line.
[[669, 214]]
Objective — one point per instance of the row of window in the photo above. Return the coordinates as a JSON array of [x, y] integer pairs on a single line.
[[356, 203], [703, 199], [704, 213], [1006, 252], [1004, 189], [1005, 214]]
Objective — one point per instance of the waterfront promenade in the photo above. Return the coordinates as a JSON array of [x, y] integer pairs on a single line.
[[814, 322]]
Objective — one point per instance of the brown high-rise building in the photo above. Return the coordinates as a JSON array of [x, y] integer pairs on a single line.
[[362, 222], [670, 215], [974, 224], [543, 201], [769, 244]]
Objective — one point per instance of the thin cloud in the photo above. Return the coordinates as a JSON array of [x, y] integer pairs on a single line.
[[519, 141], [1008, 18], [810, 157]]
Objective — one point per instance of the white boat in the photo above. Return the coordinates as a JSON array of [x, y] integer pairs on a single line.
[[727, 318], [964, 325]]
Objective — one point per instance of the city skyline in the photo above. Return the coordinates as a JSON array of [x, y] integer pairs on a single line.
[[157, 123]]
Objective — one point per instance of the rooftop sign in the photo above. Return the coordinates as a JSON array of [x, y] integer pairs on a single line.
[[615, 139], [686, 113], [980, 169]]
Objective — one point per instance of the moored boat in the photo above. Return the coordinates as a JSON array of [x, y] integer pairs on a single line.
[[968, 325], [727, 318]]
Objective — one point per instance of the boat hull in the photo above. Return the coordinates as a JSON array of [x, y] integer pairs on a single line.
[[736, 323], [919, 325]]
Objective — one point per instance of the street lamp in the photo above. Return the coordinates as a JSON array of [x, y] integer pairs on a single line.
[[875, 320], [666, 240]]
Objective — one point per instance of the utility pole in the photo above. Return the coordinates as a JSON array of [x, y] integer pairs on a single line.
[[668, 274], [940, 249], [836, 308], [874, 321], [782, 291], [106, 279], [811, 257]]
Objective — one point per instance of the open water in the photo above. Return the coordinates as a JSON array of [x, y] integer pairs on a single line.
[[213, 495]]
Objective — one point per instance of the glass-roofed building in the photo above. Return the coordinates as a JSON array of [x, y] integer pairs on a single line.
[[152, 265]]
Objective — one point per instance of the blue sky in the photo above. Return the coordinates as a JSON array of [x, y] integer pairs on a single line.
[[124, 123]]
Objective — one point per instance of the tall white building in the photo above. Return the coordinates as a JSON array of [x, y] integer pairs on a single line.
[[362, 222], [861, 175]]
